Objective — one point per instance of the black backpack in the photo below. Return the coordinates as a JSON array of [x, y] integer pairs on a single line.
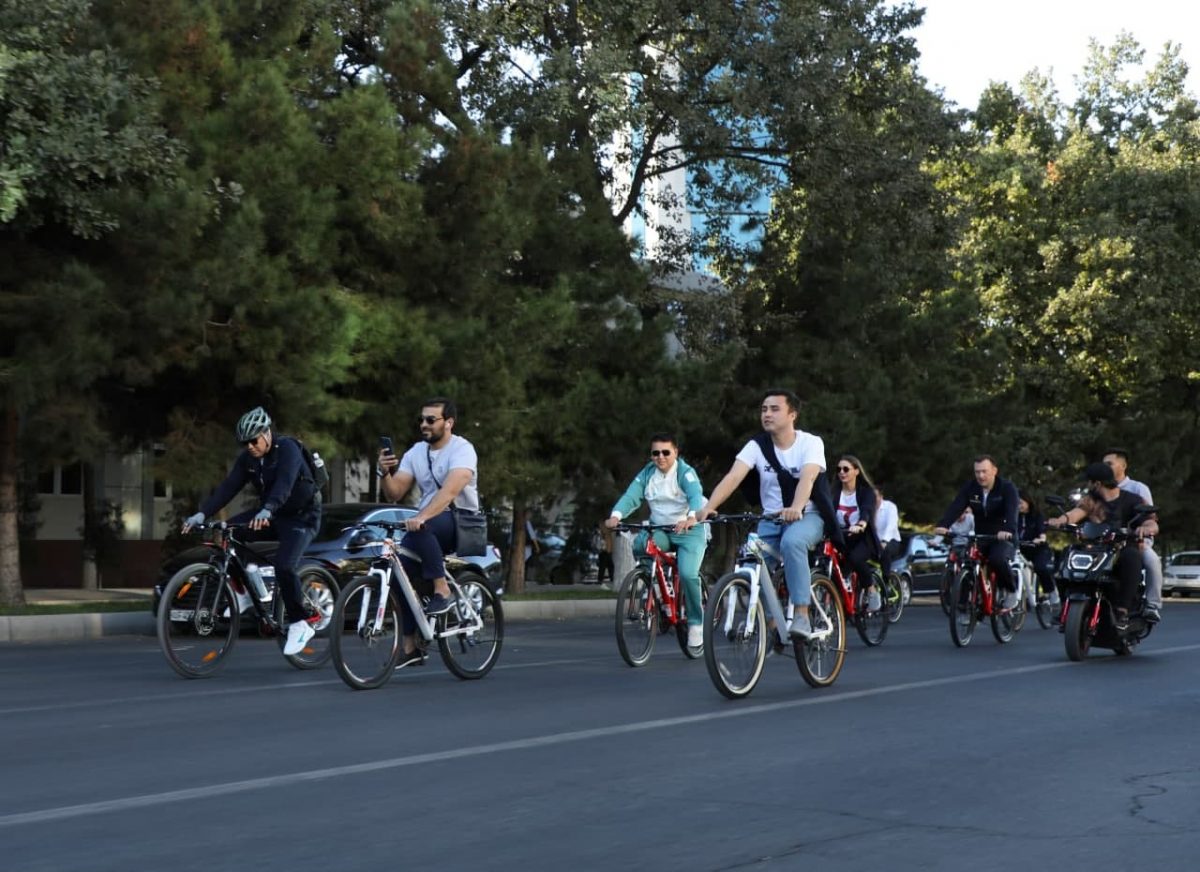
[[314, 465], [788, 483]]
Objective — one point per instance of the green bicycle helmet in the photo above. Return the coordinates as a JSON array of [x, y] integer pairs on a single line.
[[253, 424]]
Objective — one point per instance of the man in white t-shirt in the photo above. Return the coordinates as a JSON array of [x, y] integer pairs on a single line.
[[799, 526], [1118, 459], [887, 525], [444, 467]]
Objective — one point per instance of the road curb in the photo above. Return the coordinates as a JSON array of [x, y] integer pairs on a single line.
[[95, 625]]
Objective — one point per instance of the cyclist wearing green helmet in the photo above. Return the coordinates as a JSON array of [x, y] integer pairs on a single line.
[[290, 505]]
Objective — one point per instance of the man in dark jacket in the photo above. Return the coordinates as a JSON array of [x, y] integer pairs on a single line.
[[994, 504], [291, 505]]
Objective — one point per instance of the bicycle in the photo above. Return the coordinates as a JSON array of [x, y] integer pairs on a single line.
[[894, 596], [200, 612], [652, 603], [367, 635], [954, 564], [872, 625], [1036, 599], [973, 595], [735, 621]]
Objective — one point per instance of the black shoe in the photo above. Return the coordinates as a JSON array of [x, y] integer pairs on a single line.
[[1121, 620], [1150, 615], [415, 657], [438, 605]]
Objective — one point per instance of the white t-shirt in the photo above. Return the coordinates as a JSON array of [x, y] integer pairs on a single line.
[[847, 508], [887, 521], [458, 453], [808, 448], [666, 499], [1136, 487]]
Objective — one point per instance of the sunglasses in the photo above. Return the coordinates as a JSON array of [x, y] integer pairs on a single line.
[[429, 419], [664, 453], [252, 442], [845, 468]]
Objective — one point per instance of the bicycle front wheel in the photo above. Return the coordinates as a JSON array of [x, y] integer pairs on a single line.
[[735, 637], [872, 626], [365, 645], [319, 592], [198, 620], [681, 624], [1044, 612], [964, 608], [1007, 623], [470, 651], [894, 595], [821, 657], [636, 619]]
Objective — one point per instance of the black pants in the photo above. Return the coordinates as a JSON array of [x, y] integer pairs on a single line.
[[858, 553], [294, 536], [432, 543], [604, 566], [1129, 574], [1042, 561], [999, 556]]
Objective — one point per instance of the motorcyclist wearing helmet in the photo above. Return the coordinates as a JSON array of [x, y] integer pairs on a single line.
[[1106, 503], [290, 504]]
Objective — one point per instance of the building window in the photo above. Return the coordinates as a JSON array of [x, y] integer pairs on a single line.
[[62, 480], [162, 487]]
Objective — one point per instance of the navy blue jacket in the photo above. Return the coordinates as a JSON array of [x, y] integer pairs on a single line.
[[997, 514], [280, 478]]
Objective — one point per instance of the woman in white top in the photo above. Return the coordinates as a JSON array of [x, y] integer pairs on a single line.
[[855, 506]]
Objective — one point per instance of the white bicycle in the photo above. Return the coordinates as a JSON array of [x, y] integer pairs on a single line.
[[740, 605], [366, 628]]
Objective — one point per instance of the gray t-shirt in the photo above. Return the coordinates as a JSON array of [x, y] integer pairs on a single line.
[[457, 454], [1136, 487]]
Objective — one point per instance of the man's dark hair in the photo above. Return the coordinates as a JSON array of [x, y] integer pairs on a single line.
[[980, 458], [449, 410], [1119, 452], [665, 437], [793, 401]]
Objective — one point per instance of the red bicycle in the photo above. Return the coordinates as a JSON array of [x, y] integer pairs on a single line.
[[652, 602], [872, 624], [973, 595]]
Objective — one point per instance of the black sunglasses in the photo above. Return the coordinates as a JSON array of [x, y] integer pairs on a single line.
[[845, 468], [429, 419], [666, 452]]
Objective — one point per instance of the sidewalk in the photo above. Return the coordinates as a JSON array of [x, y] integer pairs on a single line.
[[93, 625]]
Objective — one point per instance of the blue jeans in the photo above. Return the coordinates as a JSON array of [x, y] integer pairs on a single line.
[[794, 541]]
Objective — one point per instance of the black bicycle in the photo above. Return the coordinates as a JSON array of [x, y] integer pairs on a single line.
[[201, 610]]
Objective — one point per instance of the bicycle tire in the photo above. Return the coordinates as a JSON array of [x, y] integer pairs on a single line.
[[471, 656], [319, 590], [1007, 623], [735, 642], [363, 657], [820, 661], [636, 620], [964, 608], [945, 585], [1045, 613], [681, 622], [872, 626], [894, 594], [198, 621]]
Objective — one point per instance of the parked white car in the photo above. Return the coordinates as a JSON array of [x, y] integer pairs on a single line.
[[1181, 575]]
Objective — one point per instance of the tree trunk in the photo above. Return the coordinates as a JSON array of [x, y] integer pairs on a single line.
[[11, 591], [516, 550]]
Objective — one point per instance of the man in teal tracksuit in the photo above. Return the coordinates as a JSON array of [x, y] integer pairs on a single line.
[[672, 490]]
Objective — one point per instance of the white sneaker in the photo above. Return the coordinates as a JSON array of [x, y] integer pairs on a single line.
[[1011, 600], [695, 636], [1053, 600], [874, 600], [298, 635], [800, 625]]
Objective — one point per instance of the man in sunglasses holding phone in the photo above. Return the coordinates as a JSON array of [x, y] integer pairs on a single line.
[[672, 490], [291, 507], [445, 468]]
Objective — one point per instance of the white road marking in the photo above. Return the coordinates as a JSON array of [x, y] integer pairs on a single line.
[[288, 780]]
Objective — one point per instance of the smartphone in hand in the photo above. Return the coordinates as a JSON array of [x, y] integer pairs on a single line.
[[385, 444]]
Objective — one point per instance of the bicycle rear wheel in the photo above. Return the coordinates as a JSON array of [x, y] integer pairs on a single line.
[[872, 626], [636, 618], [365, 655], [735, 642], [964, 608], [319, 591], [471, 654], [894, 596], [198, 620], [820, 659]]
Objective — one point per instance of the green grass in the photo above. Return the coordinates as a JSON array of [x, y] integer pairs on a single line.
[[77, 608], [530, 596]]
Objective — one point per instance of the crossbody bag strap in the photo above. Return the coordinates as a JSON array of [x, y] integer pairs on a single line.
[[429, 460]]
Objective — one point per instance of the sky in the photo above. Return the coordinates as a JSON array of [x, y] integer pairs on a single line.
[[964, 44]]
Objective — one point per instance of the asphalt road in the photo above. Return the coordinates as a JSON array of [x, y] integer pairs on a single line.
[[921, 757]]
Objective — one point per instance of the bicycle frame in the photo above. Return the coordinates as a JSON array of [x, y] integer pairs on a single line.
[[984, 577], [227, 552], [388, 568], [847, 582], [665, 571], [752, 564]]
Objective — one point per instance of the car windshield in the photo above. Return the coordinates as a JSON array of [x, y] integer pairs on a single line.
[[1192, 558]]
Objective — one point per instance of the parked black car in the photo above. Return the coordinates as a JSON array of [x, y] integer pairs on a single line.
[[347, 553], [921, 562]]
